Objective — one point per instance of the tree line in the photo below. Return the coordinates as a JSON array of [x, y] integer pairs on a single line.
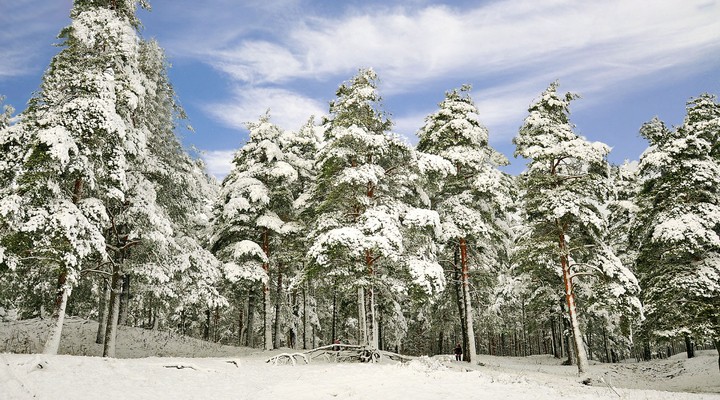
[[341, 229]]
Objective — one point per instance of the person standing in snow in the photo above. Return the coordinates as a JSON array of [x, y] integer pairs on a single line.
[[458, 352]]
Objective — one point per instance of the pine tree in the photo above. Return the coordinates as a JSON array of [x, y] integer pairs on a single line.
[[368, 193], [255, 206], [677, 227], [77, 137], [565, 188], [94, 177], [7, 111], [472, 201]]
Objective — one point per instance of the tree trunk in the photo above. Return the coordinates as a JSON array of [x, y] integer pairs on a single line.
[[267, 323], [334, 314], [53, 341], [716, 341], [689, 346], [124, 300], [104, 308], [441, 340], [278, 301], [241, 326], [470, 331], [112, 324], [362, 318], [305, 318], [459, 297], [582, 362], [605, 344], [206, 326], [372, 331], [251, 319]]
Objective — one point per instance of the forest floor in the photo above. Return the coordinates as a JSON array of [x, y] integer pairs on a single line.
[[160, 365]]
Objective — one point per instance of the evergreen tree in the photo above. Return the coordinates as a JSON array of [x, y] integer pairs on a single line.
[[472, 201], [76, 138], [565, 188], [678, 228], [7, 111], [94, 178], [369, 204], [255, 206]]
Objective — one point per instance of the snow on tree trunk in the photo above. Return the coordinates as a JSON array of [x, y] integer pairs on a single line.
[[372, 332], [277, 309], [113, 315], [375, 338], [267, 323], [362, 318], [104, 310], [471, 353], [459, 297], [53, 341], [581, 355]]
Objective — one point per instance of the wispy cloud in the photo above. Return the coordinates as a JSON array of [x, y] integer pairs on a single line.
[[29, 26], [288, 109], [410, 46], [510, 50], [218, 162]]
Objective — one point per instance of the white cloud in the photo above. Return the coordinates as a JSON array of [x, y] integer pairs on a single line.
[[28, 29], [618, 39], [218, 162], [288, 110]]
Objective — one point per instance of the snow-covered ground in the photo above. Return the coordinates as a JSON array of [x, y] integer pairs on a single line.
[[236, 373]]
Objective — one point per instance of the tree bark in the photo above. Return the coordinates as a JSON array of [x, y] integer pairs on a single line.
[[459, 297], [63, 290], [278, 301], [470, 331], [689, 346], [52, 344], [582, 362], [334, 314], [362, 318], [112, 324], [250, 339], [267, 323], [124, 300], [206, 326], [104, 309]]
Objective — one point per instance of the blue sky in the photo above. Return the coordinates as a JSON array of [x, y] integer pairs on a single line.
[[629, 60]]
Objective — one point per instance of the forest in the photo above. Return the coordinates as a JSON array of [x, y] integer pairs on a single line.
[[341, 229]]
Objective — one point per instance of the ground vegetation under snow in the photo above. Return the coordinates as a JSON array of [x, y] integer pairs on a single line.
[[162, 365]]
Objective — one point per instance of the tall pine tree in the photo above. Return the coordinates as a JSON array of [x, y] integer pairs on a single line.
[[678, 226], [471, 201], [565, 187]]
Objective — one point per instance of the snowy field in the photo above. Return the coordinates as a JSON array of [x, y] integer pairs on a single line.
[[223, 372]]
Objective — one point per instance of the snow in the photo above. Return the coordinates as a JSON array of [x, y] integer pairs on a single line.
[[225, 372]]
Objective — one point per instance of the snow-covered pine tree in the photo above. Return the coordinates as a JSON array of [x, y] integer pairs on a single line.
[[472, 201], [564, 191], [78, 136], [368, 207], [172, 272], [7, 111], [678, 226], [301, 147], [86, 193], [253, 210]]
